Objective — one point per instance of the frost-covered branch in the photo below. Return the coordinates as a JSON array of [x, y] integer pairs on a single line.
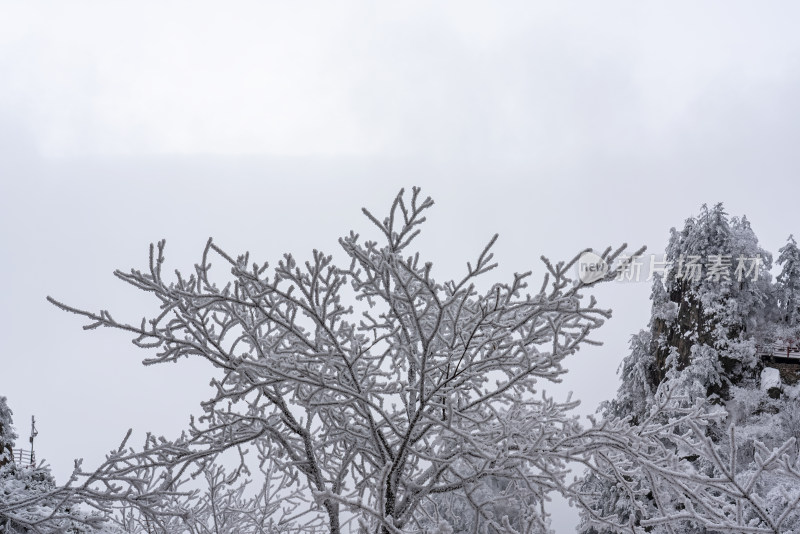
[[387, 397]]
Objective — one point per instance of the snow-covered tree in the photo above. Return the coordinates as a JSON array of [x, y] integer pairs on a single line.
[[381, 392], [30, 500], [789, 282], [720, 295], [27, 504], [221, 505], [482, 505], [706, 321], [7, 435]]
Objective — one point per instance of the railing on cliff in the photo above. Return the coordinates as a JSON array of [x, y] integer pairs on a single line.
[[23, 457], [780, 352]]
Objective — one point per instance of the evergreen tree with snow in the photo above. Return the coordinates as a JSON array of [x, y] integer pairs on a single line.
[[7, 435], [715, 297], [714, 305], [789, 282]]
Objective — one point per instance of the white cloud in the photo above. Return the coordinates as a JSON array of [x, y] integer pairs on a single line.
[[439, 80]]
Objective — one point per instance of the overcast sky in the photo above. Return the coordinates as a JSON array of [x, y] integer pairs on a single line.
[[560, 125]]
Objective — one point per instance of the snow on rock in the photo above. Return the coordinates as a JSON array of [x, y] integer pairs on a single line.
[[792, 392], [770, 378]]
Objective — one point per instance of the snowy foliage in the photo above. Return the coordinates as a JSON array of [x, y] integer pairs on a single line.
[[431, 389], [701, 348], [789, 282], [716, 317], [389, 402], [220, 506], [31, 502], [7, 435], [482, 506]]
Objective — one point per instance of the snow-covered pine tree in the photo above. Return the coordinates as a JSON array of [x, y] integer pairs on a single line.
[[7, 435], [719, 297], [789, 282]]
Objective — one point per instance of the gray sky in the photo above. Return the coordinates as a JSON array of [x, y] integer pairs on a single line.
[[561, 126]]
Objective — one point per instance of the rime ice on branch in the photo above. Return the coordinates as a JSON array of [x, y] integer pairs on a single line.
[[431, 390]]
